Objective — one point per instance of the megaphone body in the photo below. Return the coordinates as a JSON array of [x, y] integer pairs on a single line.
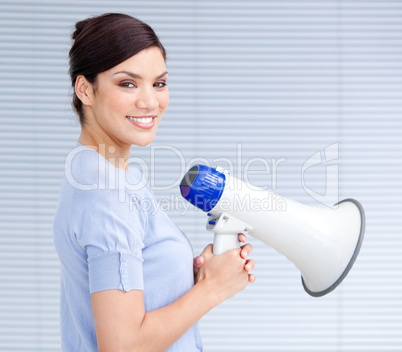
[[322, 242]]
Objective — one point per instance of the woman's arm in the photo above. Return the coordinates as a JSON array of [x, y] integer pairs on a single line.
[[122, 324]]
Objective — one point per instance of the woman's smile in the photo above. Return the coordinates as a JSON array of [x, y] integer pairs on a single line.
[[145, 122]]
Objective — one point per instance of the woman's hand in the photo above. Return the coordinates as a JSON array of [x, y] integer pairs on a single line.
[[244, 254], [198, 261], [228, 273]]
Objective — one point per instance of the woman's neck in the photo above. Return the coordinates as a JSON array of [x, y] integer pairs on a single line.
[[118, 155]]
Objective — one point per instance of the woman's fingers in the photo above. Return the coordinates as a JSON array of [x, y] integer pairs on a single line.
[[198, 262], [242, 237], [244, 253], [249, 265], [246, 250]]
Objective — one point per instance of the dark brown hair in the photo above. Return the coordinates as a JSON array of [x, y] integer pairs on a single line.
[[103, 42]]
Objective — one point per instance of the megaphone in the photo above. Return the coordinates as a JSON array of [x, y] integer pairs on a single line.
[[322, 242]]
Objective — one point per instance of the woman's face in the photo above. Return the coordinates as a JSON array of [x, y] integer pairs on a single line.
[[130, 99]]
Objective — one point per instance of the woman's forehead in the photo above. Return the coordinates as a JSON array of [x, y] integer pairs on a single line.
[[146, 61]]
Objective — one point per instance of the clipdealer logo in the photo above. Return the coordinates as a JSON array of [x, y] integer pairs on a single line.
[[115, 178], [111, 177], [329, 159], [271, 202]]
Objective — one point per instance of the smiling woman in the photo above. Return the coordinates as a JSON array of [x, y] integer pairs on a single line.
[[129, 279], [103, 42], [126, 103]]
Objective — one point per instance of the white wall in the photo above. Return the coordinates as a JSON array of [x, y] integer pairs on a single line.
[[278, 80]]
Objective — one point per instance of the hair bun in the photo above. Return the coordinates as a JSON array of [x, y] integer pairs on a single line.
[[79, 27]]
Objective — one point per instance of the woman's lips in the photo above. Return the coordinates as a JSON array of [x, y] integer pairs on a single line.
[[144, 122]]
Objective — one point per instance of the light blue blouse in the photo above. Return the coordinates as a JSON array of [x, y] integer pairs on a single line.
[[110, 234]]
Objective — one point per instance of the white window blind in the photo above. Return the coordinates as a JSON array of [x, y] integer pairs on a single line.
[[274, 80]]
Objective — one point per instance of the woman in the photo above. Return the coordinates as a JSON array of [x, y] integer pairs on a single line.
[[127, 276]]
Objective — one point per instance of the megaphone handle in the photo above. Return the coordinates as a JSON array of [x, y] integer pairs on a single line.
[[225, 241]]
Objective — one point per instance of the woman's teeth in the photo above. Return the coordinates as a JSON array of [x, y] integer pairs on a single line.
[[140, 119]]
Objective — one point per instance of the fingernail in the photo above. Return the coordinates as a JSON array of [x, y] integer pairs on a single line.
[[198, 260], [244, 254]]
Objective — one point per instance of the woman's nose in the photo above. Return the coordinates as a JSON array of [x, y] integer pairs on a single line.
[[147, 100]]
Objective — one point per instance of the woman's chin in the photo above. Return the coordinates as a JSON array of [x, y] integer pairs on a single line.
[[143, 142]]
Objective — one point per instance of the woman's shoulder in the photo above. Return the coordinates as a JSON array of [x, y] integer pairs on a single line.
[[93, 185], [84, 168]]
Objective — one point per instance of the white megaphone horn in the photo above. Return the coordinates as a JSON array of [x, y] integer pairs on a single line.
[[323, 243]]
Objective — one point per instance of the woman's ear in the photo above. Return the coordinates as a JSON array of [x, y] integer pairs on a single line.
[[83, 90]]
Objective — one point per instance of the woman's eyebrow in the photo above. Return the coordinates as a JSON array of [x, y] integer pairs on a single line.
[[137, 76]]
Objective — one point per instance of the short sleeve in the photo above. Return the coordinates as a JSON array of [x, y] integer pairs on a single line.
[[115, 270], [111, 233]]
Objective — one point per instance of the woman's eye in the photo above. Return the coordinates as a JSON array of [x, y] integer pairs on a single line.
[[160, 84], [127, 85]]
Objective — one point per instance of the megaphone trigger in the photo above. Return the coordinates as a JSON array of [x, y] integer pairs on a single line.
[[226, 229]]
